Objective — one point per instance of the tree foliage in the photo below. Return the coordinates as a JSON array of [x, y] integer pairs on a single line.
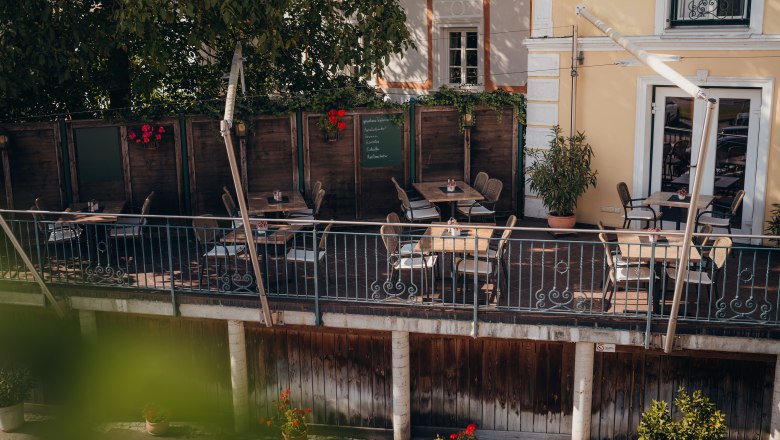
[[71, 55], [700, 421]]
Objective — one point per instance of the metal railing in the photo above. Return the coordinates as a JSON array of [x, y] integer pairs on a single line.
[[530, 272], [709, 12]]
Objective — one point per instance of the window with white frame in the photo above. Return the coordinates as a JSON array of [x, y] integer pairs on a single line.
[[462, 56], [709, 12]]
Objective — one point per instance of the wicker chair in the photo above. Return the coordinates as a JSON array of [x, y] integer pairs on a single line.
[[423, 214], [309, 214], [415, 201], [487, 207], [208, 235], [398, 261], [721, 219], [619, 273], [490, 265], [632, 211], [479, 184]]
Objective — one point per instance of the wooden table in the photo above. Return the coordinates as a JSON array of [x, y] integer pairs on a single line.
[[720, 181], [432, 191], [276, 235], [259, 202], [438, 240], [107, 214], [670, 199], [637, 247], [97, 241]]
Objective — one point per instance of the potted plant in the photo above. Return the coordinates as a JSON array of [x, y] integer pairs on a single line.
[[560, 175], [470, 433], [15, 386], [157, 419], [332, 124], [291, 421], [147, 135], [773, 225]]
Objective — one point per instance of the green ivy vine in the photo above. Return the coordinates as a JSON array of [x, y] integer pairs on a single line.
[[466, 101]]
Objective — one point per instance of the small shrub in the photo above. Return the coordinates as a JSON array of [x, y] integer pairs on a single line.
[[155, 413], [15, 385], [773, 225], [700, 421]]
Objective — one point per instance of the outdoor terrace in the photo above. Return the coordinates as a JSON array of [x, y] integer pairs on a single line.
[[540, 277]]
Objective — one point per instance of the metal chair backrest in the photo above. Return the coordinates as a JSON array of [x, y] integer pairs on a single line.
[[625, 196], [607, 249], [493, 190], [318, 198], [205, 228], [147, 207], [390, 239], [230, 206], [324, 236], [402, 196], [511, 221], [721, 249], [315, 189], [705, 229], [503, 240], [480, 181], [737, 201]]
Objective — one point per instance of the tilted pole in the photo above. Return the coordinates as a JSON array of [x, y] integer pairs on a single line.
[[695, 91], [230, 103], [31, 267]]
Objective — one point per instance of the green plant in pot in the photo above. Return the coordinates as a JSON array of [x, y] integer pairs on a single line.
[[157, 419], [15, 386], [560, 175]]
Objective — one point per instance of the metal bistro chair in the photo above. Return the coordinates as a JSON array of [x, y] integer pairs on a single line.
[[398, 261], [56, 232], [622, 274], [487, 207], [309, 214], [131, 228], [412, 214], [490, 265], [479, 184], [415, 201], [633, 211], [208, 235], [721, 219], [721, 248], [310, 255]]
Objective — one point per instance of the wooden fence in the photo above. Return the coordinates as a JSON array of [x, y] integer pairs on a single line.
[[71, 161]]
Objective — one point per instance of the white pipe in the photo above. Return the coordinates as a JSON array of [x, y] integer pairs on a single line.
[[573, 73], [401, 386], [584, 354], [227, 122], [695, 91], [238, 374]]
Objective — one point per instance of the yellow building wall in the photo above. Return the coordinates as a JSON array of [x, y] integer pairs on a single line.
[[638, 16], [606, 112]]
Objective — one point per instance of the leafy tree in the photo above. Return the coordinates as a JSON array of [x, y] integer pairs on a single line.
[[71, 55], [701, 420]]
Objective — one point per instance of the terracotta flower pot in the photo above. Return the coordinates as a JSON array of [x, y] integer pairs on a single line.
[[331, 136], [561, 222], [11, 417], [158, 428]]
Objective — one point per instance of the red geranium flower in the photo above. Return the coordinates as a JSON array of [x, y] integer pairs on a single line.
[[341, 113], [341, 126], [132, 135]]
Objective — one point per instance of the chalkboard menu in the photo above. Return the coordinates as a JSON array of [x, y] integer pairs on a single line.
[[382, 141]]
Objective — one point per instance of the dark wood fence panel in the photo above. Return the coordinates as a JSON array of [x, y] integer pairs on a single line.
[[504, 385], [332, 163], [345, 378], [34, 164], [440, 144], [185, 360], [209, 167], [155, 169], [625, 383], [494, 151], [270, 157]]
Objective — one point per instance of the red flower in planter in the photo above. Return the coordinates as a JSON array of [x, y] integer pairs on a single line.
[[331, 122], [147, 134]]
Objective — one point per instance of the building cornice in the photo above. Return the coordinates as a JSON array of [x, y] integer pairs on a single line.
[[701, 41]]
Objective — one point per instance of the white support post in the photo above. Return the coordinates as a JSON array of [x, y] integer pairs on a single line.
[[583, 390], [88, 324], [238, 374], [402, 424], [774, 423]]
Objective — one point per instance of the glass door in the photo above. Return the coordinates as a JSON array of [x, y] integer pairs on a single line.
[[730, 165]]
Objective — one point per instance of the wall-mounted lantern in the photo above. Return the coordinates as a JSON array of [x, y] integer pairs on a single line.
[[240, 128], [5, 141]]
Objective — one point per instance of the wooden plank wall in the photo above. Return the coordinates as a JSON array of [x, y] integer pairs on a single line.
[[498, 384], [35, 164], [626, 382], [209, 167], [155, 170], [440, 144], [271, 157], [345, 378], [494, 150], [186, 360], [334, 164]]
